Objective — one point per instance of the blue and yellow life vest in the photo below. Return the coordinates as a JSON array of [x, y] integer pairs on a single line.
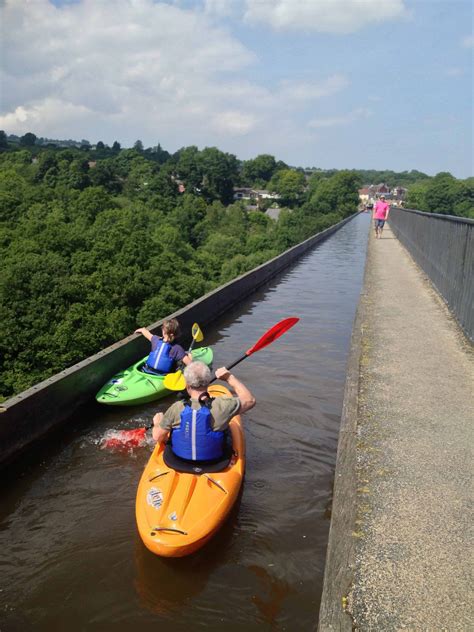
[[159, 360], [195, 440]]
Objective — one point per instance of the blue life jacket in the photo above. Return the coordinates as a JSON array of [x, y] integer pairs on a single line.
[[194, 439], [159, 360]]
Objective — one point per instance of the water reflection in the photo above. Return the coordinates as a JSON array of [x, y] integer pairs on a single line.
[[274, 591], [166, 585]]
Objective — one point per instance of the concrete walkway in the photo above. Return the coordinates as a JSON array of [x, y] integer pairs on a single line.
[[414, 455]]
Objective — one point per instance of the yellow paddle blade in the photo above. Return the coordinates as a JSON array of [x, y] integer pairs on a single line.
[[197, 333], [175, 381]]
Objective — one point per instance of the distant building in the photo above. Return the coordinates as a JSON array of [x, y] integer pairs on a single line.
[[246, 193], [369, 194], [382, 189], [273, 212], [399, 193], [364, 195], [266, 195]]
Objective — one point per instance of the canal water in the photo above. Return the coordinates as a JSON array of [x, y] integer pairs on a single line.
[[70, 555]]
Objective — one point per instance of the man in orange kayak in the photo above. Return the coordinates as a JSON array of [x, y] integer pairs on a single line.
[[197, 425]]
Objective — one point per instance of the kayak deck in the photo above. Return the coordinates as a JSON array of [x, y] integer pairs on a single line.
[[177, 512], [133, 386]]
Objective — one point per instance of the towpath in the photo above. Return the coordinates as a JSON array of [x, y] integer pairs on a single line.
[[413, 552]]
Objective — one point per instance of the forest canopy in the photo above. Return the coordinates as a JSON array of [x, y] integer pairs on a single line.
[[443, 194], [96, 241]]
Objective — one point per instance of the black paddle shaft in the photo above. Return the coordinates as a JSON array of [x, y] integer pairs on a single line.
[[232, 364]]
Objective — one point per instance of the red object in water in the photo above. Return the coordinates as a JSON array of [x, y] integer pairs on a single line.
[[125, 439]]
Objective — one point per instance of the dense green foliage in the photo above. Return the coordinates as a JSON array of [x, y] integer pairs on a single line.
[[443, 194], [373, 176], [392, 178], [97, 241]]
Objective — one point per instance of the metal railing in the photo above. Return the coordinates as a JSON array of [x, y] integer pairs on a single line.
[[443, 246]]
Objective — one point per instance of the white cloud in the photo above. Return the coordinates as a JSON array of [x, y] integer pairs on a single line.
[[468, 41], [133, 64], [128, 69], [326, 16], [337, 121], [220, 8], [308, 91], [454, 72], [234, 122], [69, 120]]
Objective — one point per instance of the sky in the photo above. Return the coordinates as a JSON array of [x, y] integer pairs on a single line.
[[357, 84]]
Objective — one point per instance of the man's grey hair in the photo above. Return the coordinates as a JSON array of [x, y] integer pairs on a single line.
[[197, 375]]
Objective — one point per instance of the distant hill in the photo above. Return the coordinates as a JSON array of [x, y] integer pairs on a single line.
[[14, 139]]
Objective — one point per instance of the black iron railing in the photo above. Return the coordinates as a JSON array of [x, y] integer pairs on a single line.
[[443, 246]]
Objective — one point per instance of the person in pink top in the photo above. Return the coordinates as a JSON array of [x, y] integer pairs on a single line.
[[380, 216]]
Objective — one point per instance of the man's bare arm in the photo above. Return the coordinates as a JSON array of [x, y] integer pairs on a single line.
[[247, 399]]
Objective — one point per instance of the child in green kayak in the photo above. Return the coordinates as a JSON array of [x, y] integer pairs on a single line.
[[165, 353]]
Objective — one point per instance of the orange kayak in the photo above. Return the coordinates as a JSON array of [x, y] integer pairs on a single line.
[[178, 512]]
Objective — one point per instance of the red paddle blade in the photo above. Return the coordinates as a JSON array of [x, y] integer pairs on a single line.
[[272, 334], [124, 439]]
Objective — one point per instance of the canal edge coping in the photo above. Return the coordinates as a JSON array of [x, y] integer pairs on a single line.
[[340, 556]]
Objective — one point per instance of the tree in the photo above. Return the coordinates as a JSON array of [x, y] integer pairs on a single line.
[[189, 167], [448, 196], [157, 154], [105, 174], [258, 170], [416, 196], [187, 214], [88, 253], [337, 194], [78, 174], [222, 246], [442, 194], [289, 184], [210, 173], [47, 164], [314, 182], [116, 146], [92, 202], [138, 146], [220, 172], [28, 140], [140, 175], [3, 139], [12, 193], [100, 146]]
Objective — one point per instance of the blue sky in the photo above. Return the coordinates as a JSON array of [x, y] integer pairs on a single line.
[[369, 84]]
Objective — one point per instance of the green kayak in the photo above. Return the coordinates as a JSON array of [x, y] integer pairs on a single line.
[[133, 386]]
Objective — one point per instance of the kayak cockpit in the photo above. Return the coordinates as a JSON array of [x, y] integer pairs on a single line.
[[199, 467]]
